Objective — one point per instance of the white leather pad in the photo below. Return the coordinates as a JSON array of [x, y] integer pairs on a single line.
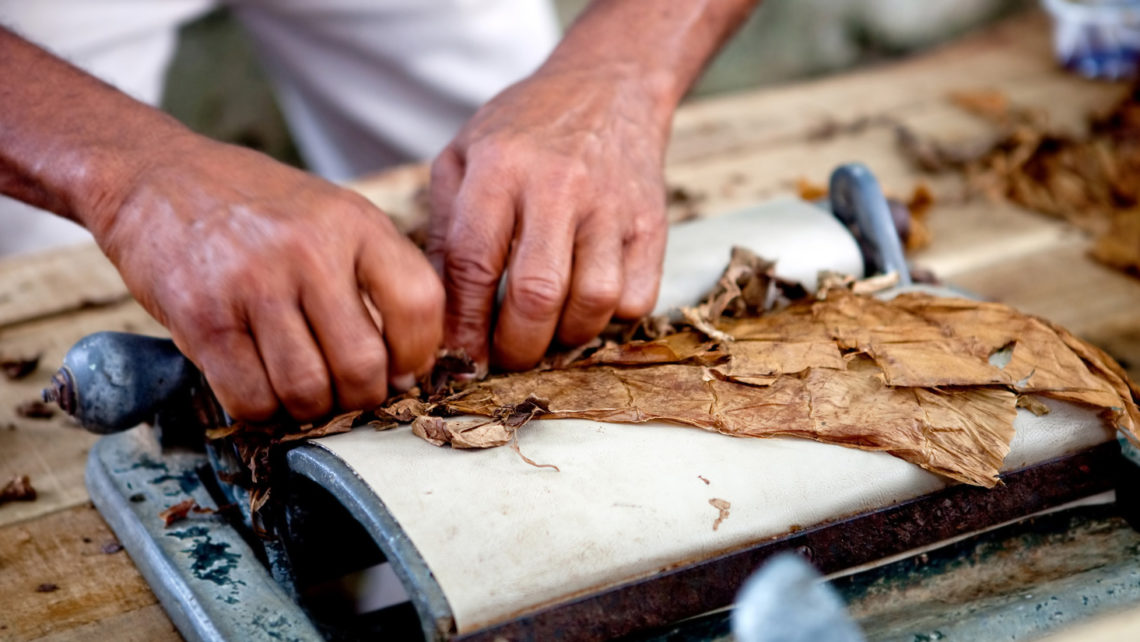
[[503, 537]]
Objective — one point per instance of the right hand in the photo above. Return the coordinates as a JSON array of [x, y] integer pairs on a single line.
[[285, 290]]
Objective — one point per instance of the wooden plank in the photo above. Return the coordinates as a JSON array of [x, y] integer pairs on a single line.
[[145, 624], [96, 591], [52, 451], [45, 283]]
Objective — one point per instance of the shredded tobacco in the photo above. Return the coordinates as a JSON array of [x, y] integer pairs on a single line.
[[1088, 180]]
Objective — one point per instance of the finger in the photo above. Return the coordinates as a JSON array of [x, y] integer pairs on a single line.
[[475, 254], [643, 259], [408, 297], [352, 345], [446, 177], [596, 283], [233, 368], [537, 282], [295, 365]]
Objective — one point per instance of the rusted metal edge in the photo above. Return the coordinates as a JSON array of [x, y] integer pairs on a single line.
[[700, 587]]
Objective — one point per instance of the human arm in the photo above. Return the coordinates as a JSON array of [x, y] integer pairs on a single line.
[[558, 181], [263, 274]]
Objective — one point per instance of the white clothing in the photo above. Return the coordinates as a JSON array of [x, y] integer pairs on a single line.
[[363, 83]]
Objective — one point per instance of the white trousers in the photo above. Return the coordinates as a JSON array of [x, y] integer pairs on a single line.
[[363, 83]]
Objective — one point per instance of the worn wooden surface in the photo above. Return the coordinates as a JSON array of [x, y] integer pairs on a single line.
[[726, 152]]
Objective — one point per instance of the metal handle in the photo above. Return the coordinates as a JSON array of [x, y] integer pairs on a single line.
[[858, 201]]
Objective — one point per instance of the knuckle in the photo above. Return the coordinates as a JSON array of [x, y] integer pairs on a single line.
[[306, 394], [466, 270], [646, 227], [255, 405], [599, 296], [632, 306], [494, 149], [536, 296], [360, 370]]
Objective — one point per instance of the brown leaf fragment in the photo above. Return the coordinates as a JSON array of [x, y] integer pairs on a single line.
[[722, 506], [514, 445], [177, 512], [18, 489], [992, 104], [340, 423], [697, 318], [35, 409], [758, 362], [683, 204], [481, 433], [431, 430], [743, 289], [516, 416], [47, 587], [1033, 405], [404, 410], [19, 367], [673, 348]]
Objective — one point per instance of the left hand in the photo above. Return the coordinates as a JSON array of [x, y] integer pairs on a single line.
[[557, 181]]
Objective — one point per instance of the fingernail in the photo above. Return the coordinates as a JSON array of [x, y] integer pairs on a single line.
[[404, 382]]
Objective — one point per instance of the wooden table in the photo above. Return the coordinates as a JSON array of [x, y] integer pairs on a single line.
[[726, 152]]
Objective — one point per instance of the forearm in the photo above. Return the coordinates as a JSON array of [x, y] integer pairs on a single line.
[[68, 142], [666, 43]]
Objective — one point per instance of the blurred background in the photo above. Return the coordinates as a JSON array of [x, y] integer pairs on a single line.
[[216, 86]]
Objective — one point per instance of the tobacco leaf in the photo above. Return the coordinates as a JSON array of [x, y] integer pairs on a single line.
[[1088, 180], [35, 409], [18, 489], [933, 381], [673, 348], [178, 512], [15, 368]]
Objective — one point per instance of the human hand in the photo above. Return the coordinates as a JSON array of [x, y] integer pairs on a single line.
[[558, 182], [284, 289]]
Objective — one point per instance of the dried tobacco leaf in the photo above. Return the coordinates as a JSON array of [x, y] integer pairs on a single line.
[[35, 409], [722, 506], [1088, 181], [18, 489], [933, 381], [15, 368], [178, 512]]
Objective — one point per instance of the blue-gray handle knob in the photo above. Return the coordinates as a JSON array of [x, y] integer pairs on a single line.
[[112, 381]]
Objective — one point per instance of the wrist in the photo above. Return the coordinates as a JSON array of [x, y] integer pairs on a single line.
[[97, 176]]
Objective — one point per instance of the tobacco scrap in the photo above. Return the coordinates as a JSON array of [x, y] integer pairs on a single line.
[[722, 506], [19, 367], [35, 409], [1088, 180], [181, 511], [682, 204], [18, 489]]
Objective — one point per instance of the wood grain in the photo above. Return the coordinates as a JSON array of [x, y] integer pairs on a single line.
[[57, 281], [98, 593]]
